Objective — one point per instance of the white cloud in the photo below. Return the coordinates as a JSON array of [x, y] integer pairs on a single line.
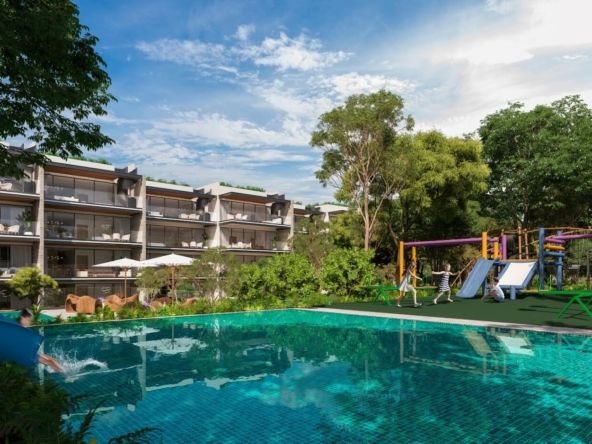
[[500, 6], [354, 83], [184, 52], [575, 57], [542, 25], [301, 53], [130, 99], [243, 31]]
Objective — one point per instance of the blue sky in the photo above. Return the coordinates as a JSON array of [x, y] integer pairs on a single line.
[[231, 89]]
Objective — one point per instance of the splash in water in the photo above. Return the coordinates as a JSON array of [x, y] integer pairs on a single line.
[[73, 366]]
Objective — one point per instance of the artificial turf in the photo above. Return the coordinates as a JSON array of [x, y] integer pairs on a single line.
[[526, 309]]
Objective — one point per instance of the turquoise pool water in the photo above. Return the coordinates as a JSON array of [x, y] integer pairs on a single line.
[[312, 377], [15, 314]]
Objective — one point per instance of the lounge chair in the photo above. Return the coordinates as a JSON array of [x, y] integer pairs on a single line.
[[193, 216], [185, 244], [14, 229], [125, 238], [71, 301], [106, 237], [5, 186], [87, 305], [116, 237], [184, 216]]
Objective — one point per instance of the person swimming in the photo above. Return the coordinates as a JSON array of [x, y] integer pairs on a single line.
[[25, 319]]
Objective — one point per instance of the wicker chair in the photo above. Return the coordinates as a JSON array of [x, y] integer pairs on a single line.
[[87, 305], [71, 301]]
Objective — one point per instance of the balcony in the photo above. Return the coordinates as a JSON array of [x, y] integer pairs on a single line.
[[256, 244], [10, 185], [89, 197], [159, 212], [88, 234], [69, 271], [18, 228], [7, 270]]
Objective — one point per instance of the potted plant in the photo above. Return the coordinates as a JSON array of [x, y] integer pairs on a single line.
[[274, 242], [25, 220], [205, 238]]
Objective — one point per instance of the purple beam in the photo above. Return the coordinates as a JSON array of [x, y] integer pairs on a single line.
[[504, 246], [572, 236], [554, 240], [440, 243]]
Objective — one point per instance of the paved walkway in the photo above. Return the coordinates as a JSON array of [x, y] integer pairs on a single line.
[[543, 328]]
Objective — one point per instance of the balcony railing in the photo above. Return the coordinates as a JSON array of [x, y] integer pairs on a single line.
[[174, 243], [17, 186], [254, 216], [7, 270], [70, 271], [159, 211], [257, 245], [16, 228], [89, 196], [88, 234]]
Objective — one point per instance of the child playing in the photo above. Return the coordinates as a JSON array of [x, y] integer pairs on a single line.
[[406, 285], [495, 292], [444, 283]]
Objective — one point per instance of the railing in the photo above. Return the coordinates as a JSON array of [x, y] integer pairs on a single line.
[[254, 216], [176, 213], [97, 234], [7, 270], [95, 197], [175, 243], [17, 186], [16, 228], [70, 271], [257, 245]]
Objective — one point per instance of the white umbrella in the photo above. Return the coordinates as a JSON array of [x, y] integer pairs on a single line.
[[124, 263], [171, 260]]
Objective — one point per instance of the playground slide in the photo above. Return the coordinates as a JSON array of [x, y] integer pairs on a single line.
[[517, 274], [18, 344], [476, 278]]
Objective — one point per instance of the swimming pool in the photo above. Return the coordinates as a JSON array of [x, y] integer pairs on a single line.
[[304, 376]]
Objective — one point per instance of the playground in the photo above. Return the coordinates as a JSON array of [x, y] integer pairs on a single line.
[[531, 269]]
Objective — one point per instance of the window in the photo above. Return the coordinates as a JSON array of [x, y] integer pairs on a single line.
[[4, 257]]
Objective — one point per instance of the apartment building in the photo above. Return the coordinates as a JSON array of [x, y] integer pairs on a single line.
[[73, 215]]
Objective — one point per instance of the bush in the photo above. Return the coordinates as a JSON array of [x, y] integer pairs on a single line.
[[345, 271], [249, 285], [289, 275], [32, 413]]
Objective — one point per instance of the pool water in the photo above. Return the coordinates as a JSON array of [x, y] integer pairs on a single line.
[[313, 377]]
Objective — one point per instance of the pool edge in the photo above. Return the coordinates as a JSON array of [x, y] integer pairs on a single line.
[[540, 328]]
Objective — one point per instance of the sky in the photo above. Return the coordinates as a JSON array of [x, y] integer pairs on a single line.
[[230, 90]]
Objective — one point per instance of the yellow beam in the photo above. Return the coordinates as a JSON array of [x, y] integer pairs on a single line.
[[414, 260], [553, 247], [401, 260]]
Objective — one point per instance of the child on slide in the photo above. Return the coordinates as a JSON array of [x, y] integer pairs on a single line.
[[406, 285], [25, 318], [444, 283]]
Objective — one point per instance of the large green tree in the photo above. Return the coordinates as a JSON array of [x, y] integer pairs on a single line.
[[359, 140], [541, 168], [29, 283], [312, 240], [51, 81]]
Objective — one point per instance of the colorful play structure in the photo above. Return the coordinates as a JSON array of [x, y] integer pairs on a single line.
[[515, 273]]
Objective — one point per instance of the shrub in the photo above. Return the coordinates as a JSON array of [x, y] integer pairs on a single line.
[[289, 275], [250, 283], [345, 271]]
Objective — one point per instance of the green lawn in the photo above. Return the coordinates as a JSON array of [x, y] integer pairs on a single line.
[[526, 309]]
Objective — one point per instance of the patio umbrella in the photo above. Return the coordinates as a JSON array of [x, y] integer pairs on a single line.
[[125, 264], [171, 260]]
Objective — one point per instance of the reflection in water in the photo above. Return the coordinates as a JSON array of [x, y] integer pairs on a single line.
[[298, 376]]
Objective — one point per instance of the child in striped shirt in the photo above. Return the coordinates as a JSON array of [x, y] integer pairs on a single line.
[[444, 283]]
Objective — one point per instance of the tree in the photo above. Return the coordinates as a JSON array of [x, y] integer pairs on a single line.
[[51, 81], [151, 280], [213, 274], [29, 283], [345, 271], [445, 174], [360, 151], [312, 240], [541, 170]]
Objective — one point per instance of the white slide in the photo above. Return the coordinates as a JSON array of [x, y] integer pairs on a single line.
[[517, 274]]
